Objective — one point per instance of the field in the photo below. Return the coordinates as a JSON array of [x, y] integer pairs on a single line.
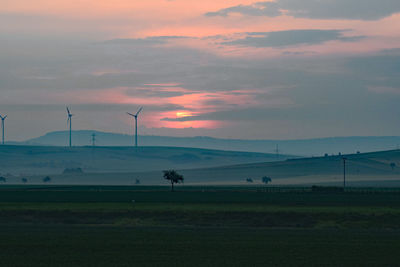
[[198, 226]]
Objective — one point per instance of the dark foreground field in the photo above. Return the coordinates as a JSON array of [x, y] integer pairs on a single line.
[[149, 226]]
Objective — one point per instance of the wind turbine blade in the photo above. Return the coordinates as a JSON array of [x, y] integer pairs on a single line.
[[140, 109], [68, 111], [5, 116], [130, 114]]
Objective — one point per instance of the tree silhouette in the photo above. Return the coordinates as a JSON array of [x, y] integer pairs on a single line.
[[24, 180], [3, 179], [46, 179], [249, 180], [266, 179], [173, 177]]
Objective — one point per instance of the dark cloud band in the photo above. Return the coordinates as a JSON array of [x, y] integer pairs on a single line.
[[292, 37], [317, 9]]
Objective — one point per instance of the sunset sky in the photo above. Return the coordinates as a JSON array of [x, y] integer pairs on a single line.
[[283, 69]]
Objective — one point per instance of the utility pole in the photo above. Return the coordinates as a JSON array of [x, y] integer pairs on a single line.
[[93, 139], [2, 127], [344, 172], [277, 151]]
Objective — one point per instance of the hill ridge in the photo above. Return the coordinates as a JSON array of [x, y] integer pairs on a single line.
[[305, 147]]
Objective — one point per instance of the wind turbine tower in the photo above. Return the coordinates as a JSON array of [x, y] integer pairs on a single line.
[[69, 121], [136, 119], [2, 126]]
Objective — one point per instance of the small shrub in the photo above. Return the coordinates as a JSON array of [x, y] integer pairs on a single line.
[[266, 179], [392, 165]]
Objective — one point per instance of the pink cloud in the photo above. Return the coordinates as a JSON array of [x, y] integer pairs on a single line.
[[140, 19]]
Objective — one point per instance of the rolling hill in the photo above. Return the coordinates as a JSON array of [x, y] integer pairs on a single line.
[[305, 147], [368, 169], [30, 160], [371, 168]]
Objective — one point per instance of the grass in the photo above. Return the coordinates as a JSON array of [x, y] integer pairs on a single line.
[[235, 195], [229, 226], [118, 246], [200, 215]]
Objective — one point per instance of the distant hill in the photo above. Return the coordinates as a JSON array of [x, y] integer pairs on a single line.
[[30, 160], [368, 169], [373, 168], [306, 147]]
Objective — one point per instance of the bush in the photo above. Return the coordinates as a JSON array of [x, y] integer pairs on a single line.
[[266, 179], [392, 165]]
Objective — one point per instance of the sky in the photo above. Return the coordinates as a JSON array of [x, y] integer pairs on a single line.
[[284, 69]]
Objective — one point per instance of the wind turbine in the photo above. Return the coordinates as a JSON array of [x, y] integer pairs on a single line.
[[2, 125], [69, 120], [136, 117]]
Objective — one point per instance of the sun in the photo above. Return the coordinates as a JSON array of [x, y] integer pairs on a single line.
[[182, 114]]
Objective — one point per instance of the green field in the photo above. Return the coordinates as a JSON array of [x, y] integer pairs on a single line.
[[198, 226]]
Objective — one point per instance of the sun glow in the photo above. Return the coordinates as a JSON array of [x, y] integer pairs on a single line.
[[182, 114], [190, 104]]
